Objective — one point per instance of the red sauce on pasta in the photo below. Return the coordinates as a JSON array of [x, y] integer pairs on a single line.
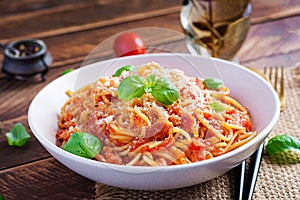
[[144, 132]]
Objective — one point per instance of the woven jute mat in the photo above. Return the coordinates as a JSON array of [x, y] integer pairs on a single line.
[[275, 181]]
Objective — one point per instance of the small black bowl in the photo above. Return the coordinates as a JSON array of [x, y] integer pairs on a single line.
[[32, 58]]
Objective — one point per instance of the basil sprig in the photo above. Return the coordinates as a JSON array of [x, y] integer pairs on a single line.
[[284, 149], [150, 83], [213, 83], [17, 136], [161, 89], [131, 87], [129, 68], [164, 92], [83, 144]]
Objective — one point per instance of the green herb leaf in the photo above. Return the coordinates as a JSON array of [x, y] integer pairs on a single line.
[[164, 92], [216, 106], [1, 197], [17, 136], [131, 87], [281, 143], [129, 68], [83, 144], [212, 83], [284, 149], [149, 83], [161, 89], [66, 71]]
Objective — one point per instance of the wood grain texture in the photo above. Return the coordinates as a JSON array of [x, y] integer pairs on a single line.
[[16, 95], [75, 47], [71, 16], [263, 42], [46, 179], [14, 156], [281, 60], [273, 9], [63, 21], [21, 7]]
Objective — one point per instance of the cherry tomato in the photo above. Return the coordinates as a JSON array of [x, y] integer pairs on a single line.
[[128, 44]]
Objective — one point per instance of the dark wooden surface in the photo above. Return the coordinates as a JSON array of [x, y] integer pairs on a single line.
[[71, 29]]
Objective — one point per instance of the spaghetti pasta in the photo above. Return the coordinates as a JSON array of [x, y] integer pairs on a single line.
[[203, 123]]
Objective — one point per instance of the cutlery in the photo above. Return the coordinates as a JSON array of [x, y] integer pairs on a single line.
[[247, 179]]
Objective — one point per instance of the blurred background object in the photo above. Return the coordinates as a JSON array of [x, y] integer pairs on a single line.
[[26, 58], [215, 28]]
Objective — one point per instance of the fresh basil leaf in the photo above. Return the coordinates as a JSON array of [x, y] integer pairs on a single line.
[[131, 87], [216, 106], [212, 83], [164, 92], [284, 149], [161, 89], [83, 144], [281, 143], [17, 136], [129, 68], [150, 83], [66, 71], [166, 97], [1, 197]]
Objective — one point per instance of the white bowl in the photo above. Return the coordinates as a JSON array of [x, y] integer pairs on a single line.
[[247, 87]]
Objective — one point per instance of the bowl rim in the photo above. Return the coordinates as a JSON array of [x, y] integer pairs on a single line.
[[132, 169]]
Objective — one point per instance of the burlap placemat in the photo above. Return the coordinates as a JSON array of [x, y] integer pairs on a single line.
[[275, 181]]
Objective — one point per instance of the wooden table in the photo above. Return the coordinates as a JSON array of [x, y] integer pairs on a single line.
[[71, 29]]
